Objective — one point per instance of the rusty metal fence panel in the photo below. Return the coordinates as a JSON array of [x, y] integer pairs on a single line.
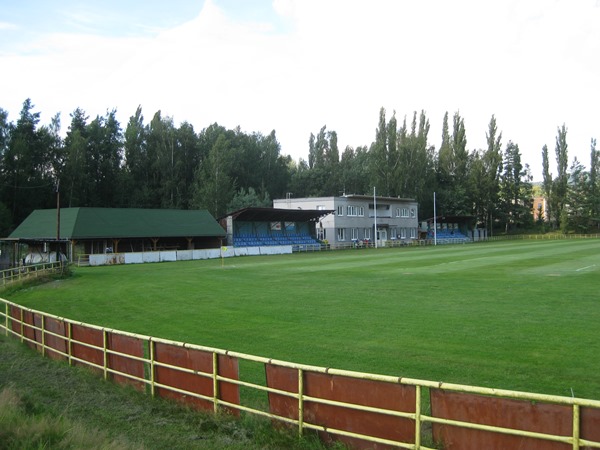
[[361, 409]]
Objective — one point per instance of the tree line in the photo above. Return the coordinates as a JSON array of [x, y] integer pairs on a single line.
[[158, 164]]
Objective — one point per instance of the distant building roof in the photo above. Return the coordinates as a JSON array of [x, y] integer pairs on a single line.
[[93, 223], [277, 214]]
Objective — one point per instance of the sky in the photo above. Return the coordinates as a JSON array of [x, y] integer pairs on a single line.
[[294, 66]]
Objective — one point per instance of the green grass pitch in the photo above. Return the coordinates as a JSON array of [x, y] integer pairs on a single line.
[[522, 315]]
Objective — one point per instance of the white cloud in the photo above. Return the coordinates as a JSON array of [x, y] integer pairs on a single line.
[[8, 26]]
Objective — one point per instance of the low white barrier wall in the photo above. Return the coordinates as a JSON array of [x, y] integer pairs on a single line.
[[185, 255]]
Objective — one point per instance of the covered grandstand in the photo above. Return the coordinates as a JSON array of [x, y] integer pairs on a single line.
[[450, 229], [117, 230], [257, 227]]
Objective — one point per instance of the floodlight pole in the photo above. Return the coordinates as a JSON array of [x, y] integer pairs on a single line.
[[434, 222], [375, 213]]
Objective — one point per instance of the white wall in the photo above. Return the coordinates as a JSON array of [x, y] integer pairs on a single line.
[[185, 255]]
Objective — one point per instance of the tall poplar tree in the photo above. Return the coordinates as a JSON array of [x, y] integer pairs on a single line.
[[561, 181], [515, 194], [453, 161], [384, 156], [595, 184], [547, 184]]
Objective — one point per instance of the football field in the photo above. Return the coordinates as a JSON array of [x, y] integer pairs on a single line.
[[521, 315]]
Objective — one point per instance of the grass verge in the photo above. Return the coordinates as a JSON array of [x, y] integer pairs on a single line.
[[47, 404]]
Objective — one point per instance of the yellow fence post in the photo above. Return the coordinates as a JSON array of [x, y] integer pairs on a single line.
[[7, 309], [43, 335], [575, 427], [418, 417], [152, 388], [69, 342], [104, 348], [300, 401], [215, 381]]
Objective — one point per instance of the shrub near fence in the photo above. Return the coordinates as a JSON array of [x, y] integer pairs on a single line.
[[363, 410]]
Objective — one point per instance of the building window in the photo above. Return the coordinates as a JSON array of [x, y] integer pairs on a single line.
[[354, 232], [404, 212], [413, 213], [413, 233], [402, 233], [397, 212], [367, 233], [341, 234], [393, 233], [321, 234], [354, 211], [340, 210]]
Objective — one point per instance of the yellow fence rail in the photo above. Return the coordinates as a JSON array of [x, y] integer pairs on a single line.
[[39, 330], [17, 274]]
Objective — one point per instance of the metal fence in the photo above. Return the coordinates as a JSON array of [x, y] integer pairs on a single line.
[[22, 273], [361, 409]]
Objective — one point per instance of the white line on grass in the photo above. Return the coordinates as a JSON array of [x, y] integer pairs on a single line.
[[586, 267]]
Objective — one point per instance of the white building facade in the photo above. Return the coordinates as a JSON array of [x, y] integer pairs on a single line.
[[361, 218]]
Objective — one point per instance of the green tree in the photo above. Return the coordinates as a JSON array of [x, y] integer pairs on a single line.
[[384, 155], [415, 174], [274, 167], [485, 174], [103, 161], [247, 199], [548, 183], [136, 173], [74, 186], [560, 185], [453, 165], [162, 154], [188, 158], [28, 182], [214, 188], [354, 171], [594, 185], [516, 190], [578, 206]]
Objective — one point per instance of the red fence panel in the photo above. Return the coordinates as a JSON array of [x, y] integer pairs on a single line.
[[53, 343], [200, 361], [130, 346], [15, 314], [377, 394], [507, 413], [228, 367], [590, 425], [34, 320], [91, 336], [284, 379]]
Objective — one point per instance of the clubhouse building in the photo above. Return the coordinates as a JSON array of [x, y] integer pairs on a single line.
[[360, 218]]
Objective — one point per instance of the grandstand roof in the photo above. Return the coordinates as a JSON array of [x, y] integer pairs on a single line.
[[281, 215], [93, 223], [449, 218]]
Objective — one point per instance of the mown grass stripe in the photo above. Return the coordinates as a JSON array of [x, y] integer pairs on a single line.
[[513, 315]]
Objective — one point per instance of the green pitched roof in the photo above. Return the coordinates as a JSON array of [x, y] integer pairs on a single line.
[[91, 223]]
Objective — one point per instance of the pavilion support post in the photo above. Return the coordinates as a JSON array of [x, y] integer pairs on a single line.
[[190, 245], [154, 242], [116, 245]]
